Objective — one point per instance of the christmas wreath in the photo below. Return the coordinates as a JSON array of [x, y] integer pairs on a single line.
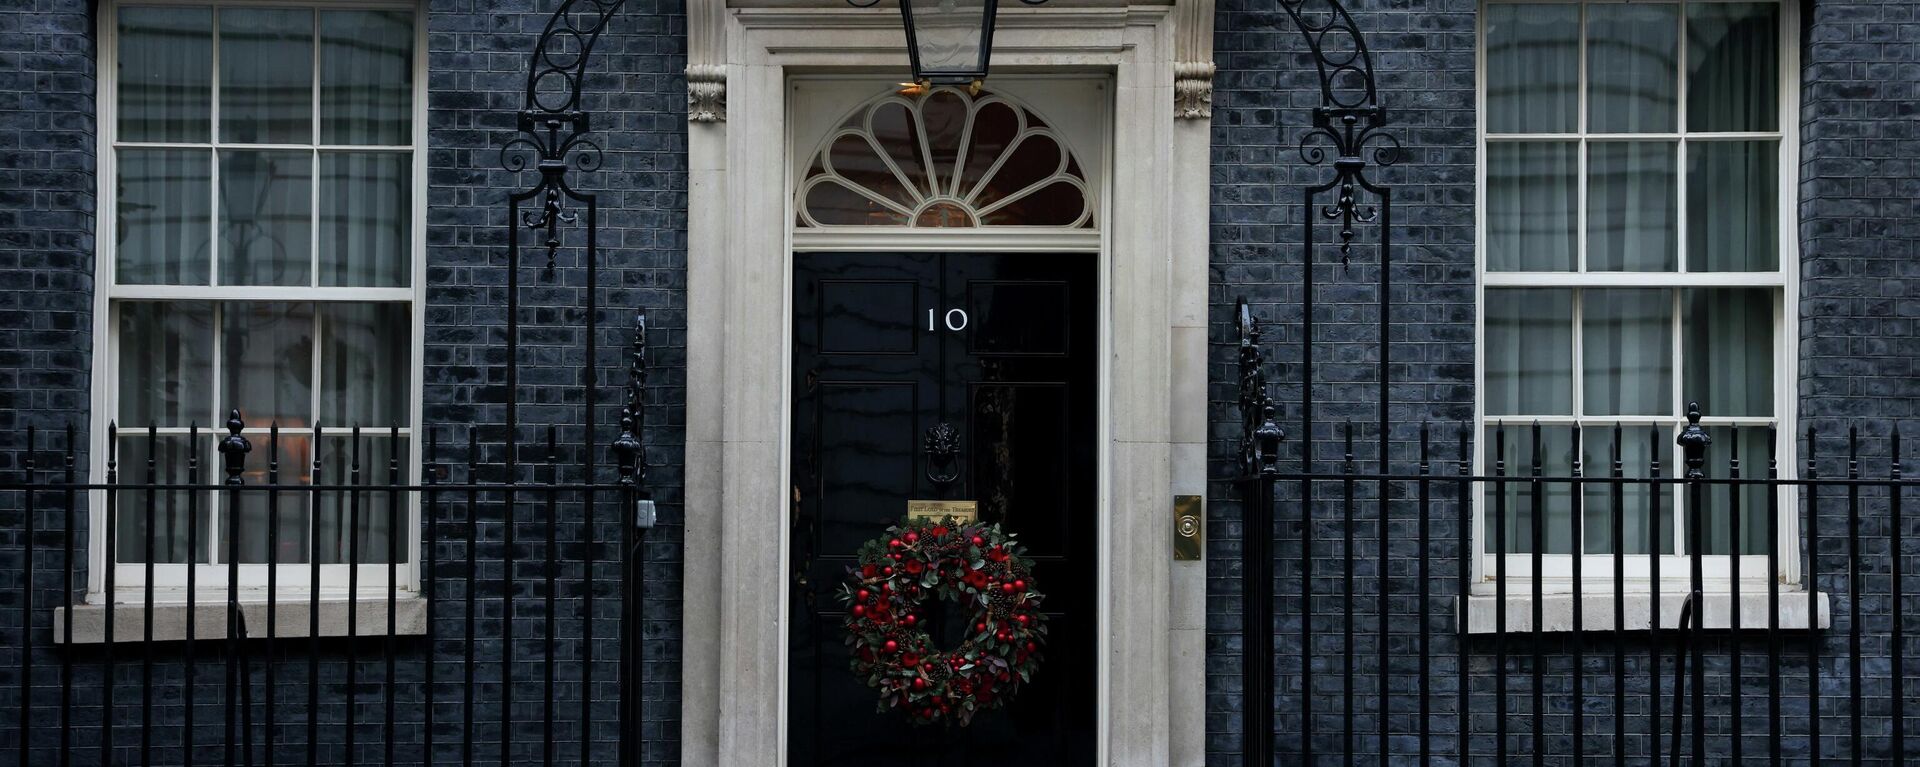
[[974, 564]]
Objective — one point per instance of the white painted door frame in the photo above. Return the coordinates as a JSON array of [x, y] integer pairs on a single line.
[[1153, 374]]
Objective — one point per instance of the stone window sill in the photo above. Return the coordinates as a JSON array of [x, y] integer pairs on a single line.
[[292, 619], [1597, 609]]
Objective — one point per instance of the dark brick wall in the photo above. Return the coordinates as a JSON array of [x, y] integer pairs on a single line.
[[1859, 227], [1860, 306], [47, 81], [46, 216], [477, 58], [1857, 363]]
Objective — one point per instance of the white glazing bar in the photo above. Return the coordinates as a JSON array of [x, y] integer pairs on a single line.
[[213, 161], [313, 185], [229, 293], [1680, 151], [1581, 222], [1634, 279]]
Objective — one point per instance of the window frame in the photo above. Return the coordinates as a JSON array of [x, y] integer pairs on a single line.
[[293, 578], [1597, 577]]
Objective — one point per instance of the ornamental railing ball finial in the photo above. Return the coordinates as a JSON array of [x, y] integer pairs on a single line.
[[1693, 442], [234, 447], [1269, 436]]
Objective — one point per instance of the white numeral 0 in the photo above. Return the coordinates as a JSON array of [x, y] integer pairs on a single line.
[[949, 320]]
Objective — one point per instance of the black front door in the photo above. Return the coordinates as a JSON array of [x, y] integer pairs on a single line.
[[1001, 347]]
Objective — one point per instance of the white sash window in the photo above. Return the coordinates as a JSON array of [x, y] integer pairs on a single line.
[[260, 239], [1636, 250]]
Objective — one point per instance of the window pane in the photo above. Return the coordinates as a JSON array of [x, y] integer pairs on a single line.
[[365, 209], [1632, 201], [1752, 444], [1555, 459], [1533, 68], [366, 513], [166, 364], [1732, 205], [364, 365], [266, 217], [163, 217], [1532, 200], [170, 514], [1638, 446], [1627, 352], [1632, 67], [165, 77], [1529, 352], [1733, 66], [266, 362], [285, 513], [366, 77], [266, 75], [1729, 351]]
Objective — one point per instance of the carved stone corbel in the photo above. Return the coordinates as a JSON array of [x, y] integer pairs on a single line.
[[706, 61], [1193, 89], [1193, 59], [706, 93]]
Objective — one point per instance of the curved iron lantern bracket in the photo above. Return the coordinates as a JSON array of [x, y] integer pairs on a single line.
[[1349, 123], [1348, 133], [555, 133]]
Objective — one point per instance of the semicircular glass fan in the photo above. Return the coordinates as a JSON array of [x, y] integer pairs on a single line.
[[944, 158]]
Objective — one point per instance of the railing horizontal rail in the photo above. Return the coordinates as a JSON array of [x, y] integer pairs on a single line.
[[1522, 479], [319, 487]]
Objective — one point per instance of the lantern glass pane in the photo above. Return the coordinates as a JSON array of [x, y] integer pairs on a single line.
[[949, 38]]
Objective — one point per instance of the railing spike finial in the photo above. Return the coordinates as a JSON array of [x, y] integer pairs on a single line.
[[628, 450], [1693, 442], [1261, 436], [234, 447]]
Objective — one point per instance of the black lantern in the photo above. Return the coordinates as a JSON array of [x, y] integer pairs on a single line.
[[949, 41]]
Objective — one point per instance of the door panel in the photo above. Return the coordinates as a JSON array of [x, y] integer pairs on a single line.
[[1001, 346]]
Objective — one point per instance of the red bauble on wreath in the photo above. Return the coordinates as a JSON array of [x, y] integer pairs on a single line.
[[974, 564]]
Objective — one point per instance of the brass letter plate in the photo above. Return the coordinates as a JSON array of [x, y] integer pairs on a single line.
[[964, 512], [1189, 528]]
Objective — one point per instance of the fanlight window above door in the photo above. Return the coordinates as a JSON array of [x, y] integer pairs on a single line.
[[944, 159]]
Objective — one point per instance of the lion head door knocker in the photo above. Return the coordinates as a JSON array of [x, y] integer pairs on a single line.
[[943, 454]]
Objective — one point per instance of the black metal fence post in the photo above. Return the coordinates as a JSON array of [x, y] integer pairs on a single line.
[[1258, 472], [233, 454], [1897, 553], [1693, 442], [26, 599], [630, 460]]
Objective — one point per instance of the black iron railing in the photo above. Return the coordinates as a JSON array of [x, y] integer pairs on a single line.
[[487, 612], [475, 645], [1590, 661]]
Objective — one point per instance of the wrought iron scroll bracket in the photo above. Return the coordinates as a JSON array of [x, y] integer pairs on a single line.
[[1354, 135]]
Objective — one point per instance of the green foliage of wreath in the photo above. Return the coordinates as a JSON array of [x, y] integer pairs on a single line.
[[976, 565]]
